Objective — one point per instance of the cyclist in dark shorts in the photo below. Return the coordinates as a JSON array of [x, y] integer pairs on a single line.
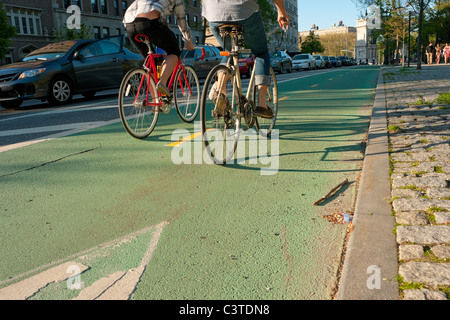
[[148, 17]]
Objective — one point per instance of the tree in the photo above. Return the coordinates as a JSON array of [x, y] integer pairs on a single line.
[[393, 7], [312, 44], [335, 44], [65, 33], [6, 33]]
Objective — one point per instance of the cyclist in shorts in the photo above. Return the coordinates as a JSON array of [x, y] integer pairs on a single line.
[[246, 13], [147, 17]]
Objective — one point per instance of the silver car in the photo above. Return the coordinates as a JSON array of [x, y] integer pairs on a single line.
[[303, 61], [320, 62]]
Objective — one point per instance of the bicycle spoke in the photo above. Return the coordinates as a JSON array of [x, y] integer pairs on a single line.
[[137, 91]]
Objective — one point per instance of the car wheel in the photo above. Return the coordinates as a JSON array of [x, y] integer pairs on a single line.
[[290, 69], [281, 69], [60, 91], [11, 104]]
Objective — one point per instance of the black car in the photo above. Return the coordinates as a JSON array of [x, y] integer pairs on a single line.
[[203, 58], [328, 63], [280, 61], [344, 60], [59, 70]]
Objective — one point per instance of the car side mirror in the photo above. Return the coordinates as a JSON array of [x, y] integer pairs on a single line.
[[77, 56]]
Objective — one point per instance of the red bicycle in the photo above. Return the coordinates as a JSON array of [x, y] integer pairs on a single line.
[[140, 103]]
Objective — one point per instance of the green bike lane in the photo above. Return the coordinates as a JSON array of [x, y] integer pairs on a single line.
[[117, 205]]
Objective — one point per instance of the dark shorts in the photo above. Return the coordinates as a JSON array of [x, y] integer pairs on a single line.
[[158, 33]]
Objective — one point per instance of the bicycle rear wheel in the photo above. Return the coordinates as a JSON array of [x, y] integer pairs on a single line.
[[136, 90], [186, 94], [220, 115], [265, 126]]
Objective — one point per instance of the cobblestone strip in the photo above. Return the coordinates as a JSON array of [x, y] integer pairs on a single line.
[[419, 137]]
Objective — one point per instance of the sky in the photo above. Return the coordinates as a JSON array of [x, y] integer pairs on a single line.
[[324, 13]]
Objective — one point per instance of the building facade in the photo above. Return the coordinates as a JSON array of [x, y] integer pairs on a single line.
[[339, 29], [39, 22], [366, 47]]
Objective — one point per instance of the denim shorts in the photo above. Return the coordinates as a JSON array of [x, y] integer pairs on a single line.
[[158, 34]]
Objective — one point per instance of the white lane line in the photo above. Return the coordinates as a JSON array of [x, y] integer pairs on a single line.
[[54, 136], [117, 286], [61, 127], [28, 287]]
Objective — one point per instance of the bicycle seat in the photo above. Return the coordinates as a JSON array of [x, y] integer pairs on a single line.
[[141, 38], [226, 28]]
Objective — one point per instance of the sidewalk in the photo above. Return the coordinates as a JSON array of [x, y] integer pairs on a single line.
[[419, 136], [409, 247]]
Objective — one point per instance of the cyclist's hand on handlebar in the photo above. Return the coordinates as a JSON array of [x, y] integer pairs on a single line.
[[283, 20], [190, 45]]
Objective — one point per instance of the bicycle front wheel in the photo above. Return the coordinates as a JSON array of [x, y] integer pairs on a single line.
[[220, 115], [265, 126], [186, 94], [137, 90]]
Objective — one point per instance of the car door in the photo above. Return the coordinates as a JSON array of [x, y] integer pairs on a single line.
[[98, 65]]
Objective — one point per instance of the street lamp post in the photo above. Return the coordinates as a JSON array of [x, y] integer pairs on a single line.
[[411, 14]]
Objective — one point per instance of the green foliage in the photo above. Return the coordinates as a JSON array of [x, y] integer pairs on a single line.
[[6, 32], [312, 44], [65, 33]]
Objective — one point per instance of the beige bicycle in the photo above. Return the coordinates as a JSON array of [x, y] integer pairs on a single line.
[[224, 105]]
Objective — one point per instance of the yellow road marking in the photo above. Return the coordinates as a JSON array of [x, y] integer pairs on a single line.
[[284, 98], [191, 137], [314, 85]]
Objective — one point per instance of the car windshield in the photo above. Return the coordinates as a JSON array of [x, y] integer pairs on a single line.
[[48, 56], [275, 55], [51, 51], [317, 57], [301, 57], [186, 54]]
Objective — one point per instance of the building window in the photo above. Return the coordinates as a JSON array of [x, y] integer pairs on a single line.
[[116, 8], [105, 32], [24, 25], [196, 21], [94, 6], [104, 7], [68, 3], [97, 33], [124, 6]]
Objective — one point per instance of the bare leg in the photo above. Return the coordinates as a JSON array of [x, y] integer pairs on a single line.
[[167, 68]]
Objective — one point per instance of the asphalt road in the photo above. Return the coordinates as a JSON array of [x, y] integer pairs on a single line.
[[137, 225]]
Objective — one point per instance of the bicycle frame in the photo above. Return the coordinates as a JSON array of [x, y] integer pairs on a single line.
[[150, 66]]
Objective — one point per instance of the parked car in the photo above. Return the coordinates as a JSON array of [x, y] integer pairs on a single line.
[[344, 60], [327, 60], [246, 63], [320, 62], [211, 58], [303, 61], [280, 61], [59, 70], [335, 62]]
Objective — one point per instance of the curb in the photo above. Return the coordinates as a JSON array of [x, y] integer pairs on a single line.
[[371, 264]]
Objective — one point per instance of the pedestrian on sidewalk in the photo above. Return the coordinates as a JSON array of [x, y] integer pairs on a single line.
[[430, 53], [446, 52], [438, 53]]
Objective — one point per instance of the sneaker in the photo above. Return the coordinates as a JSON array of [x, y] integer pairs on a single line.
[[162, 89], [222, 104], [265, 113]]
